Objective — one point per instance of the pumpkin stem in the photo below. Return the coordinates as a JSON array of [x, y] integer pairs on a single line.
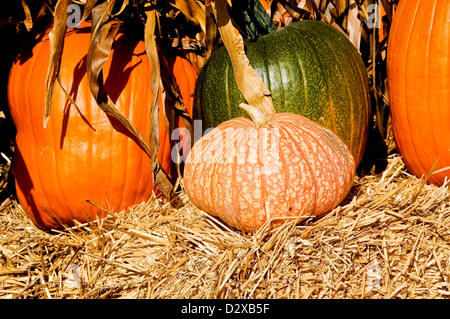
[[248, 81], [250, 18], [258, 117]]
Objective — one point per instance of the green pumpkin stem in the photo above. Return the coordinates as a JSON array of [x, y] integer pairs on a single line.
[[251, 18], [258, 117]]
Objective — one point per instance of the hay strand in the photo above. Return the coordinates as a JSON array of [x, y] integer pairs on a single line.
[[389, 239]]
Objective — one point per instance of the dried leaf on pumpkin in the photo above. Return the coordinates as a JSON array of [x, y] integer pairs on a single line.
[[250, 84], [56, 37]]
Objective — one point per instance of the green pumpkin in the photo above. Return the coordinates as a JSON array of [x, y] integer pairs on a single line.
[[310, 68]]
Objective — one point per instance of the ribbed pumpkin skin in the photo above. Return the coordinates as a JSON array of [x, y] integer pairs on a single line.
[[418, 66], [85, 155], [246, 183], [310, 68]]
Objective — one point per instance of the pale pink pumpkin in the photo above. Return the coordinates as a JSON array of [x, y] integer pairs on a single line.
[[274, 168]]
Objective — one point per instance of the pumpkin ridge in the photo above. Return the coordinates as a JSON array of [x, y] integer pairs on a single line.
[[347, 89], [288, 124], [334, 170], [327, 81], [265, 62], [86, 107], [366, 112], [410, 133], [414, 27], [330, 164], [282, 90], [90, 136], [362, 78], [302, 73], [125, 110], [263, 181], [109, 180], [364, 93], [306, 130], [447, 77], [73, 86], [284, 166], [215, 160], [62, 200], [330, 148], [214, 185], [235, 195], [41, 171], [138, 121], [314, 45], [235, 139], [307, 80], [265, 197], [429, 112], [228, 72]]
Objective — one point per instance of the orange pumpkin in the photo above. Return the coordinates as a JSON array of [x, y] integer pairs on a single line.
[[84, 154], [269, 169], [418, 66]]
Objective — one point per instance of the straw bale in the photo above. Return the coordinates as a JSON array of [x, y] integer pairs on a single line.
[[388, 239]]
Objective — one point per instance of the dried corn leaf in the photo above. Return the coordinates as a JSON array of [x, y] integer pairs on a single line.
[[28, 19], [103, 32], [387, 8], [250, 84], [90, 4], [152, 53], [211, 31], [322, 4], [354, 24], [159, 176], [56, 37], [122, 8], [193, 10], [342, 6]]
